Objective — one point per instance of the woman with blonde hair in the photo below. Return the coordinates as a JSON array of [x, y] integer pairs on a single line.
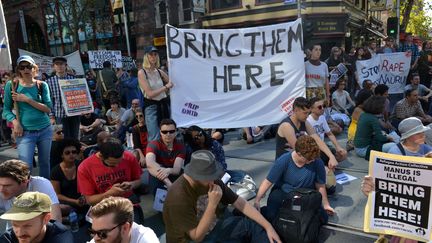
[[154, 83], [31, 124]]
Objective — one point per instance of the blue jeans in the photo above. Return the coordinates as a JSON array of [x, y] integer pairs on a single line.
[[236, 229], [151, 119], [26, 148], [70, 126]]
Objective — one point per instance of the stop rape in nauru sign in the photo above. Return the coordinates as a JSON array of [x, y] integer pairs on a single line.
[[401, 203]]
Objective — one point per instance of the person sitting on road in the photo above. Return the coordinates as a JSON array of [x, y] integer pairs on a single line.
[[90, 126], [114, 114], [64, 178], [58, 136], [424, 93], [139, 137], [119, 169], [101, 137], [382, 90], [341, 99], [30, 214], [165, 157], [127, 120], [409, 107], [301, 168], [197, 139], [297, 125], [369, 135], [412, 143], [113, 221], [15, 179], [361, 98], [202, 177], [317, 120]]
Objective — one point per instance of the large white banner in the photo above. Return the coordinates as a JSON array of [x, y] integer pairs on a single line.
[[97, 58], [45, 62], [5, 57], [390, 69], [229, 78], [401, 203]]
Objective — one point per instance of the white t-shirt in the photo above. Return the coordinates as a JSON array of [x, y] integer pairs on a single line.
[[115, 114], [316, 75], [140, 234], [38, 184], [321, 126], [341, 98]]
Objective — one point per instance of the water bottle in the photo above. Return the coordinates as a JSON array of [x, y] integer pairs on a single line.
[[73, 221]]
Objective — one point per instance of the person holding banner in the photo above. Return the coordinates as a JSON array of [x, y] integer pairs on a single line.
[[154, 84], [58, 114], [317, 73], [412, 144], [31, 125]]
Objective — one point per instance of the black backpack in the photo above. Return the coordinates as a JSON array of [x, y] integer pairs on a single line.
[[298, 220]]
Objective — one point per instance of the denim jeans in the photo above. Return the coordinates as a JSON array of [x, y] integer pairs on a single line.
[[237, 229], [70, 126], [151, 119], [26, 148]]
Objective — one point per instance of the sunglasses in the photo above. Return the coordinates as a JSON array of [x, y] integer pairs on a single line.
[[103, 234], [139, 116], [70, 152], [198, 136], [168, 131], [22, 67], [320, 107], [59, 132]]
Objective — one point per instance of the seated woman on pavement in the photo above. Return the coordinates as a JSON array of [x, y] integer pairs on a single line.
[[64, 178], [301, 168], [369, 135], [114, 114], [412, 144], [358, 110], [341, 99], [139, 137]]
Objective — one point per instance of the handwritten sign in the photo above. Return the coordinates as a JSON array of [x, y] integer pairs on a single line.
[[97, 58]]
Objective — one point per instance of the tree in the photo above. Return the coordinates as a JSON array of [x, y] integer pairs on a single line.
[[73, 15], [414, 18]]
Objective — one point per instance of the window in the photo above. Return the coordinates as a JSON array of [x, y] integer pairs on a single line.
[[185, 11], [161, 13], [224, 4]]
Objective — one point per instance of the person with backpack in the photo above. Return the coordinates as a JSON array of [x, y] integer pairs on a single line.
[[295, 170], [154, 84], [30, 98]]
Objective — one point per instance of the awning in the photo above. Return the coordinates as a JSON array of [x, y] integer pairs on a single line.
[[377, 33]]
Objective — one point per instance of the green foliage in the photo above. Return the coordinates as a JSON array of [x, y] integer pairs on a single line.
[[418, 21]]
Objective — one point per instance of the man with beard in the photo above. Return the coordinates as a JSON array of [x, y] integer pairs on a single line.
[[184, 222], [30, 215], [113, 223]]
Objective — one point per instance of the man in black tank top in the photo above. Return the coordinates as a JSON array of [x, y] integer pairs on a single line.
[[295, 126]]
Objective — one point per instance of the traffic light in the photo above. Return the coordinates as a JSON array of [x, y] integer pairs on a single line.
[[392, 24]]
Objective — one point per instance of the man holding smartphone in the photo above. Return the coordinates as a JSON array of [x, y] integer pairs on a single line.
[[109, 172]]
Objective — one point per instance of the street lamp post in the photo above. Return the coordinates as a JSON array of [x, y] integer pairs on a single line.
[[126, 28], [398, 21]]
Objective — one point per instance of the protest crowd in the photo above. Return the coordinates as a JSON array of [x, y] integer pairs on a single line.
[[91, 165]]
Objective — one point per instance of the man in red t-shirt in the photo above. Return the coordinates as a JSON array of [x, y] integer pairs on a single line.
[[109, 172], [165, 157]]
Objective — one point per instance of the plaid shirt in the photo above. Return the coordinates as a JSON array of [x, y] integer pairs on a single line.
[[413, 48], [57, 107], [403, 109]]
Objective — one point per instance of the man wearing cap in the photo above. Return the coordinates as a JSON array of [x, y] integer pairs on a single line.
[[58, 114], [30, 216], [202, 177], [15, 179]]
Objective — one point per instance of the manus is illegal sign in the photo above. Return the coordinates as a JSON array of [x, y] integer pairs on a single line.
[[401, 203], [235, 77]]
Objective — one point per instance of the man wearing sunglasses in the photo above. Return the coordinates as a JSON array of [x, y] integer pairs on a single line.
[[30, 216], [165, 156], [113, 223]]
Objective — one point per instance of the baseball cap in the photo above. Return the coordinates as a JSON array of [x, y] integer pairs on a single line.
[[26, 58], [28, 206], [149, 49], [59, 58]]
